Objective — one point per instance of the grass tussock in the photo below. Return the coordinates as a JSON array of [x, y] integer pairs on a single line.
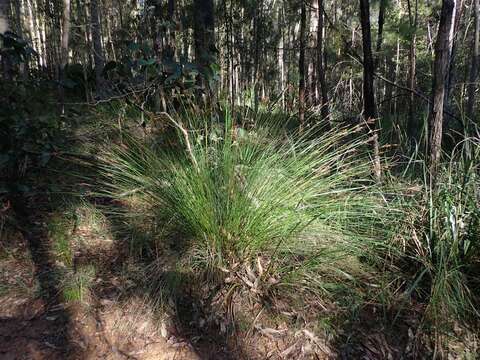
[[445, 237], [279, 206]]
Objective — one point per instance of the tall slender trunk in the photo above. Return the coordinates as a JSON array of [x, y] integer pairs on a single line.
[[24, 66], [443, 48], [381, 23], [64, 50], [301, 66], [98, 55], [397, 76], [204, 35], [412, 126], [321, 63], [451, 77], [4, 11], [281, 60], [369, 106], [378, 47], [171, 30], [350, 80], [5, 26], [257, 25], [472, 79]]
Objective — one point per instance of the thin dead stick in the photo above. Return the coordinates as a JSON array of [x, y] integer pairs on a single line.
[[185, 135]]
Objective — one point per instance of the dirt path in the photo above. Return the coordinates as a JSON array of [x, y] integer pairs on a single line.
[[35, 321]]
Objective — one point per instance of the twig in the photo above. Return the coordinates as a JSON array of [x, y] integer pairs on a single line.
[[185, 135]]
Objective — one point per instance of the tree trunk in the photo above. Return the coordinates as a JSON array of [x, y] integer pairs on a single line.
[[171, 31], [381, 22], [301, 66], [472, 86], [451, 77], [443, 48], [412, 126], [98, 56], [257, 23], [4, 11], [281, 60], [64, 50], [320, 64], [369, 106], [23, 66], [5, 26], [378, 47], [204, 41], [204, 33]]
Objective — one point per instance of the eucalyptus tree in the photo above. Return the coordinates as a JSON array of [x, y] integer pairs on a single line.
[[443, 49], [301, 65], [369, 105], [475, 63], [98, 53], [4, 10], [4, 26]]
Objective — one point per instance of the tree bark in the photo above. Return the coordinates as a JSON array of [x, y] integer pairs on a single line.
[[281, 60], [443, 48], [472, 86], [412, 127], [381, 23], [5, 26], [204, 33], [369, 106], [4, 11], [301, 66], [204, 38], [64, 50], [98, 55], [321, 64]]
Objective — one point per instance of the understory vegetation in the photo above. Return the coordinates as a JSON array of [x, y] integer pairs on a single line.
[[274, 179], [250, 208]]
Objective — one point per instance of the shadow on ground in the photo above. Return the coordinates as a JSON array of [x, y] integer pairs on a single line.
[[42, 328]]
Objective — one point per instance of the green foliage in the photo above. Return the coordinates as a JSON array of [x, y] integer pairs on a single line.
[[29, 139], [304, 202], [29, 132], [76, 285], [15, 48], [58, 234], [141, 66], [445, 241]]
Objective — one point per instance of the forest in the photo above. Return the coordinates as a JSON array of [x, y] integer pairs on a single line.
[[239, 179]]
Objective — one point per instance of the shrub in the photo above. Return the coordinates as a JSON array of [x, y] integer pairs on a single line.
[[288, 205], [439, 245]]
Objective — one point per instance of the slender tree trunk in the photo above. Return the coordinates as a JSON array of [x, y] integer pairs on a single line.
[[64, 50], [378, 47], [369, 106], [443, 48], [381, 23], [98, 55], [24, 66], [350, 81], [4, 11], [257, 25], [204, 36], [311, 56], [451, 78], [171, 30], [472, 85], [301, 66], [281, 60], [5, 26], [320, 64], [412, 126]]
